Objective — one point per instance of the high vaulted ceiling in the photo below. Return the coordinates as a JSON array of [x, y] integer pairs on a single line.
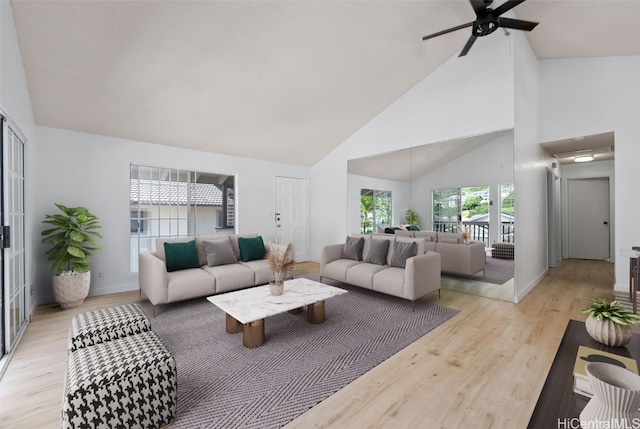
[[275, 80]]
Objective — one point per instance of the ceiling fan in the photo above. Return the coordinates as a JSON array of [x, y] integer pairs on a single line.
[[487, 21]]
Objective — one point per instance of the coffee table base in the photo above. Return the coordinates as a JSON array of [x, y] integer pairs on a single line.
[[253, 332], [232, 325], [315, 312]]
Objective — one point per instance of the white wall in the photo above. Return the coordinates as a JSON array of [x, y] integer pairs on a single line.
[[78, 169], [595, 95], [464, 97], [588, 170], [530, 163], [488, 165], [16, 105], [400, 198]]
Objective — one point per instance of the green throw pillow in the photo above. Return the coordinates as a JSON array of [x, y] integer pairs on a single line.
[[251, 248], [181, 255]]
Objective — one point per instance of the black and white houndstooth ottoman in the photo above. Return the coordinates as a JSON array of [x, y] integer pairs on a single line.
[[98, 326], [130, 382], [502, 250]]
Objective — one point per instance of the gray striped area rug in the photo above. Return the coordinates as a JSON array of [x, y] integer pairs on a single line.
[[222, 384]]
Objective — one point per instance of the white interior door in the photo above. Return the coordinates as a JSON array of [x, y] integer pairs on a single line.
[[292, 215], [588, 218]]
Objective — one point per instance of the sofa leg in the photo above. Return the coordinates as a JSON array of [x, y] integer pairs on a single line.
[[438, 293], [320, 279], [413, 305], [154, 310]]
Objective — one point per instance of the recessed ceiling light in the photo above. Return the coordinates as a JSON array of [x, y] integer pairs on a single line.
[[583, 158]]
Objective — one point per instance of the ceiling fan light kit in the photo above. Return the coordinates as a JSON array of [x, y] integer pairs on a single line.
[[487, 21]]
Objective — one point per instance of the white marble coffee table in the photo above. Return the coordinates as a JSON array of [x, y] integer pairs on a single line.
[[246, 309]]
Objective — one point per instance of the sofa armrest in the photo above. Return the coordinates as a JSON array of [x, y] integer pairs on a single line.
[[152, 278], [422, 275], [477, 257], [330, 252]]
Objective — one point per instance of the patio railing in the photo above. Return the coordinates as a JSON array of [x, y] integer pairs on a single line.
[[479, 231]]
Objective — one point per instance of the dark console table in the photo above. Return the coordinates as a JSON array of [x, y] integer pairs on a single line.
[[557, 402]]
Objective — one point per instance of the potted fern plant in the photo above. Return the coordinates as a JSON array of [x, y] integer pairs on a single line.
[[608, 323], [73, 239]]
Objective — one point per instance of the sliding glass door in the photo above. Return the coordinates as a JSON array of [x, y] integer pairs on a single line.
[[13, 242], [462, 209], [375, 210]]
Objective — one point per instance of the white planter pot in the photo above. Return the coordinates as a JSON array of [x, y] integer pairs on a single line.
[[71, 290], [607, 332]]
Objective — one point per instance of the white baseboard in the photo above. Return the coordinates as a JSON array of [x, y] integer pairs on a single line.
[[532, 284]]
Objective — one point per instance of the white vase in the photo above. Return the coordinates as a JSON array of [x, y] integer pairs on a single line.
[[70, 290], [276, 288], [608, 332], [616, 397]]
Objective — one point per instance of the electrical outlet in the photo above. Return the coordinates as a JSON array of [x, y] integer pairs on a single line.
[[100, 275]]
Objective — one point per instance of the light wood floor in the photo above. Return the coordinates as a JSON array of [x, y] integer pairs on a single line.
[[484, 368]]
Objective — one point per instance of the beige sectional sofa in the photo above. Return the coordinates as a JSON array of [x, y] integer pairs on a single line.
[[419, 277], [161, 286], [458, 257]]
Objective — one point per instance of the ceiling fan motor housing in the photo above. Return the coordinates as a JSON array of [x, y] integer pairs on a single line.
[[486, 25]]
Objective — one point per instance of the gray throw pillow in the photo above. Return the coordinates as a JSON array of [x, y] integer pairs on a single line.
[[402, 252], [219, 252], [377, 253], [353, 248]]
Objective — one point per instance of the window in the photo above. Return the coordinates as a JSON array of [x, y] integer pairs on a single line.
[[375, 210], [466, 208], [507, 230], [167, 202]]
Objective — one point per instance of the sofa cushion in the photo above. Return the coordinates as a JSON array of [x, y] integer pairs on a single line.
[[421, 245], [202, 256], [234, 243], [187, 284], [427, 235], [390, 281], [219, 252], [388, 237], [181, 256], [261, 270], [353, 248], [450, 237], [377, 253], [231, 277], [402, 252], [160, 245], [403, 233], [251, 248], [337, 270], [362, 274]]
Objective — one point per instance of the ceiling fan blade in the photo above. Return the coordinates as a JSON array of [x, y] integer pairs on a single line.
[[440, 33], [468, 46], [508, 5], [517, 24], [479, 7]]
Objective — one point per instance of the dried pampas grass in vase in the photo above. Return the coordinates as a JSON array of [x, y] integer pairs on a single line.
[[281, 265]]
